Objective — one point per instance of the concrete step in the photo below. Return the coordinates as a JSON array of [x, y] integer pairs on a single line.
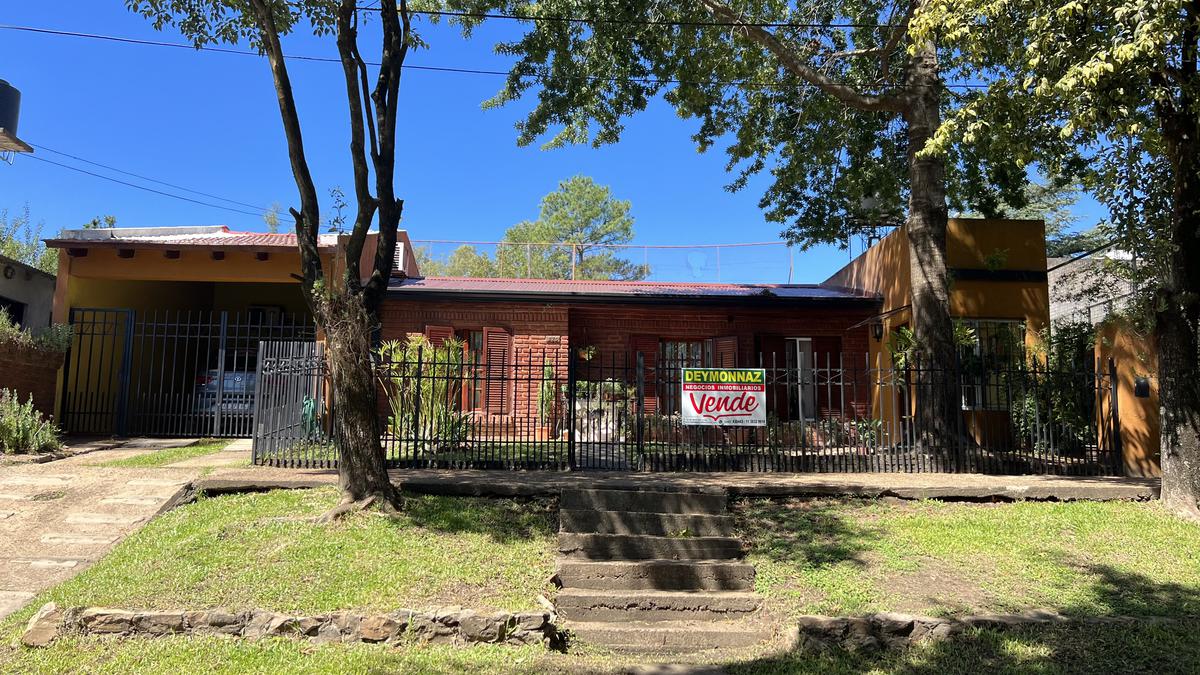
[[657, 575], [669, 636], [646, 547], [579, 604], [644, 500], [641, 522]]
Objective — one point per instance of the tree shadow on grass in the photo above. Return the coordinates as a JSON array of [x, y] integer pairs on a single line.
[[809, 533], [1090, 644], [504, 520]]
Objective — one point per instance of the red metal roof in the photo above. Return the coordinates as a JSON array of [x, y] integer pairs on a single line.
[[629, 289]]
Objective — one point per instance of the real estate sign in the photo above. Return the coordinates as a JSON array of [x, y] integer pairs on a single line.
[[724, 397]]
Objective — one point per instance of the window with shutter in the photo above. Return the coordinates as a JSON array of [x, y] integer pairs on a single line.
[[725, 352], [437, 335], [648, 346], [497, 346]]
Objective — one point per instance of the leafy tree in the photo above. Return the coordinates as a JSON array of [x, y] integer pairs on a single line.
[[21, 240], [344, 306], [271, 217], [571, 239], [1120, 80], [831, 97], [100, 222]]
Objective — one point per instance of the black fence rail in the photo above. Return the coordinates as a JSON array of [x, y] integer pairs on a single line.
[[168, 373], [545, 409], [290, 413]]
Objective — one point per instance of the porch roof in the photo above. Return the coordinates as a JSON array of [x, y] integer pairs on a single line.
[[625, 291], [205, 236]]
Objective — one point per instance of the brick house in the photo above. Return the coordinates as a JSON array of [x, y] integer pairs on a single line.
[[526, 324]]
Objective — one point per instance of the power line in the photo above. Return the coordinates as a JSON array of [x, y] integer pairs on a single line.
[[152, 180], [435, 69], [139, 187], [591, 245]]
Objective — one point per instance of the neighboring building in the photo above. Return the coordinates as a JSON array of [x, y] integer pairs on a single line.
[[27, 293], [1084, 289]]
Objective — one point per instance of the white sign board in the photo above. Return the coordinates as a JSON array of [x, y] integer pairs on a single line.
[[724, 397]]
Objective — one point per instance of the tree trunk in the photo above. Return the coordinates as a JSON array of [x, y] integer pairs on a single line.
[[1177, 325], [361, 469], [938, 398]]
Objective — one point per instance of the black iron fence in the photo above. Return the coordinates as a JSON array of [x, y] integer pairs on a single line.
[[543, 409], [168, 373]]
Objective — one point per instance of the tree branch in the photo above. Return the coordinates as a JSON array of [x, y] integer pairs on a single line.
[[308, 215], [347, 40], [796, 65]]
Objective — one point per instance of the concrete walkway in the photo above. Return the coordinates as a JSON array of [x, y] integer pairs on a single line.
[[737, 484], [58, 518]]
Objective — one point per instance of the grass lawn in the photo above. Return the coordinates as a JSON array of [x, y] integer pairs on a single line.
[[229, 552], [167, 455], [1081, 558]]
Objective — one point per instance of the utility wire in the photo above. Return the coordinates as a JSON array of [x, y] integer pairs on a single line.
[[436, 69], [152, 180], [139, 187]]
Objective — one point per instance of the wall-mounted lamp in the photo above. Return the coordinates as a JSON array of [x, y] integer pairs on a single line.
[[877, 330]]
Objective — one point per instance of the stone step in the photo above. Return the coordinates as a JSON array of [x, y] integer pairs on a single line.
[[645, 547], [657, 575], [641, 522], [644, 500], [578, 604], [668, 636]]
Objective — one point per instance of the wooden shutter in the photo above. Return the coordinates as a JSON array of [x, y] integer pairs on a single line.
[[497, 345], [437, 335], [725, 352], [648, 346], [827, 359]]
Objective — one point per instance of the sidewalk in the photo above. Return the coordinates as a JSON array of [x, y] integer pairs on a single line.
[[58, 518], [738, 484]]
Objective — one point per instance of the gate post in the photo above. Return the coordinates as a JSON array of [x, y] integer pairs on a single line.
[[571, 464], [220, 375], [1114, 413], [122, 411]]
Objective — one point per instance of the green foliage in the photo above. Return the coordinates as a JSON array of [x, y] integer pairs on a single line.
[[21, 240], [53, 338], [22, 428], [832, 167], [424, 388], [582, 215], [903, 344], [548, 395]]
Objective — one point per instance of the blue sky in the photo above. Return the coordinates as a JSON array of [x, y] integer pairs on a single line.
[[210, 122]]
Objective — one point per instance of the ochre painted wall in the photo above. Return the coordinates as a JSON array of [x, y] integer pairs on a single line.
[[1134, 356]]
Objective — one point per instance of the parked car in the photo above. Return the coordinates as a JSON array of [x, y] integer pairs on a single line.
[[237, 394]]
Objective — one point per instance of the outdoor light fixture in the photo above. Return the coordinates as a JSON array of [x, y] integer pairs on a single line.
[[877, 330]]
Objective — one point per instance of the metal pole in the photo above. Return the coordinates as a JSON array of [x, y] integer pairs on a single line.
[[639, 432], [574, 253], [220, 374], [570, 411]]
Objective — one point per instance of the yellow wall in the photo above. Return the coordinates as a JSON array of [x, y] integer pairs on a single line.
[[973, 244], [1134, 355]]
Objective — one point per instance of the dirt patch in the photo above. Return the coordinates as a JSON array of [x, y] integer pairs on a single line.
[[49, 496], [935, 587]]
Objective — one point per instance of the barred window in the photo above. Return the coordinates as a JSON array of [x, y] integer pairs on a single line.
[[997, 348]]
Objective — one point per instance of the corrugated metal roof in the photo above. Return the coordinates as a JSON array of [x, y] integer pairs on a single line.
[[206, 236], [646, 289]]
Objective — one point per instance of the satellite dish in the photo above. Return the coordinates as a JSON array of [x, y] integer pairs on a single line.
[[10, 113]]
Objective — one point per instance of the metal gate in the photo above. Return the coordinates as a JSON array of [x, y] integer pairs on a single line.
[[290, 409], [168, 373]]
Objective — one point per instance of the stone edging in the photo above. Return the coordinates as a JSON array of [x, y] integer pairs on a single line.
[[890, 630], [451, 625], [63, 453]]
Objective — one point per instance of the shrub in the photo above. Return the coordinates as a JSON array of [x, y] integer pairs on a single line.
[[55, 338], [424, 387], [22, 428]]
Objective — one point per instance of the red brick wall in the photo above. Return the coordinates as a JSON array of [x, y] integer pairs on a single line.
[[554, 329], [31, 371]]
